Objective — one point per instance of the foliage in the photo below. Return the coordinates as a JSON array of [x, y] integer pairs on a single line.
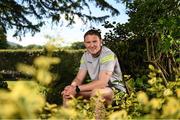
[[64, 76], [27, 56], [28, 100], [146, 16], [155, 103], [158, 23], [151, 36], [18, 14], [158, 102], [3, 41], [33, 46], [128, 47], [24, 99], [77, 45], [3, 84], [12, 45], [21, 102], [10, 59]]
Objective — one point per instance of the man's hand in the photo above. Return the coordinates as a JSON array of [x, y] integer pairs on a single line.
[[69, 91]]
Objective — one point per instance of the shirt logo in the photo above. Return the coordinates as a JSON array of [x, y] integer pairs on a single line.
[[89, 62]]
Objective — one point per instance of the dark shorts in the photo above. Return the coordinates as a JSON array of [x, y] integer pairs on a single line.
[[117, 87]]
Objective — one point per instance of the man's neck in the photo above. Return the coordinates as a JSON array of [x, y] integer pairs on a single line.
[[97, 54]]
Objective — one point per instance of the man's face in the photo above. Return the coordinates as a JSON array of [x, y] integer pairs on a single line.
[[92, 44]]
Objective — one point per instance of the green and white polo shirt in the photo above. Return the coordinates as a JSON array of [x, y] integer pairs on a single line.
[[106, 61]]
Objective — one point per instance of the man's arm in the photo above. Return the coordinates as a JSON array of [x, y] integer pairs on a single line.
[[79, 77], [70, 89], [104, 77]]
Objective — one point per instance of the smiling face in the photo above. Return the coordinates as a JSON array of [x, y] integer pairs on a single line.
[[93, 44]]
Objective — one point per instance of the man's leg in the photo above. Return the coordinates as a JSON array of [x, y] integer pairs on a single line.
[[105, 93]]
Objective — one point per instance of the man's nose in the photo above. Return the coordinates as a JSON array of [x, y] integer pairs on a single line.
[[91, 44]]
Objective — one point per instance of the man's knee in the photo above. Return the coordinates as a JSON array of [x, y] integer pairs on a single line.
[[106, 94], [96, 92]]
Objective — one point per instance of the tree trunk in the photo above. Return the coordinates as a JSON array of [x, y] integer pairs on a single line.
[[147, 49]]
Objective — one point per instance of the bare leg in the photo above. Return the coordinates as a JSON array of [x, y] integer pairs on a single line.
[[105, 94]]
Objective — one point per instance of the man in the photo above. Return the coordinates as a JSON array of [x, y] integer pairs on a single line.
[[103, 68]]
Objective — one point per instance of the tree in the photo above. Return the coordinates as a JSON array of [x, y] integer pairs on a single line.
[[128, 47], [3, 41], [151, 36], [157, 22], [18, 14]]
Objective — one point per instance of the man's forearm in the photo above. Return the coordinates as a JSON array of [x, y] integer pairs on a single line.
[[76, 82], [93, 85]]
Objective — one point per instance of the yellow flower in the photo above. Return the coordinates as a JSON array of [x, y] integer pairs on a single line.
[[44, 77], [67, 114], [152, 74], [151, 67], [127, 76], [142, 97], [50, 47], [178, 92], [42, 62], [152, 81], [45, 62], [167, 92], [26, 69], [172, 107], [120, 115], [22, 100], [55, 60], [8, 110], [156, 103], [27, 96]]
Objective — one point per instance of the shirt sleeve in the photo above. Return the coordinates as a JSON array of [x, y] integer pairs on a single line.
[[107, 63], [83, 63]]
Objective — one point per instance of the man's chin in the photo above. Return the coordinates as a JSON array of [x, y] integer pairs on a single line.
[[93, 53]]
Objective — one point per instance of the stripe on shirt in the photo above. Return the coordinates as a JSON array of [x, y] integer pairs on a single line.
[[107, 58], [82, 61]]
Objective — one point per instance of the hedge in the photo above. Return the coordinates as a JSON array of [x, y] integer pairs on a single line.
[[65, 70]]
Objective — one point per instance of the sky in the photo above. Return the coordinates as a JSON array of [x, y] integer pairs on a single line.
[[66, 35]]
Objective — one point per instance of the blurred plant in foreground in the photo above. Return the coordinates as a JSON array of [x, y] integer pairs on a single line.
[[24, 101]]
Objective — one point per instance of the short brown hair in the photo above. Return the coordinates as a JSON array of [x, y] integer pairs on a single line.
[[93, 32]]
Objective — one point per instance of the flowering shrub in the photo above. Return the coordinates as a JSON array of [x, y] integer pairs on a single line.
[[21, 102], [158, 102], [25, 100]]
